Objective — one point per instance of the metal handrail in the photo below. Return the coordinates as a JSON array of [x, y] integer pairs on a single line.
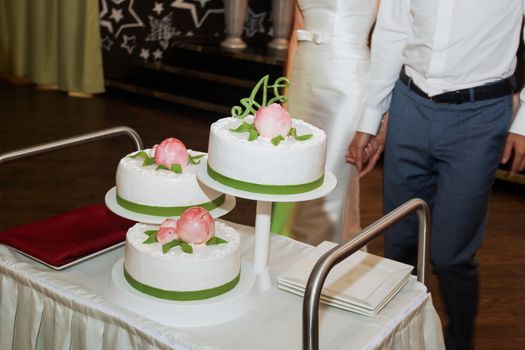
[[71, 141], [340, 252]]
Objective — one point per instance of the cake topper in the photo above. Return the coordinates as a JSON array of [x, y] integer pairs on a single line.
[[271, 120], [252, 106]]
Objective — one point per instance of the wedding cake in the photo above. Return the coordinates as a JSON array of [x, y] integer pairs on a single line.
[[262, 149], [161, 181], [192, 258]]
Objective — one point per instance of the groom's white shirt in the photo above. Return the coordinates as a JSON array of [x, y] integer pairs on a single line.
[[446, 45]]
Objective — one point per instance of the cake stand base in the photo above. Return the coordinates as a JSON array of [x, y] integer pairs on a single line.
[[112, 204], [220, 309]]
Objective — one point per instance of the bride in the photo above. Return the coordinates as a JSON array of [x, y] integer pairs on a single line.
[[328, 66]]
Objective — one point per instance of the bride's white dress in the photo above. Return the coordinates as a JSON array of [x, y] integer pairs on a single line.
[[328, 85]]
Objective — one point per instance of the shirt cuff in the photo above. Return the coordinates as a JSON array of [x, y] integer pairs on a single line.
[[370, 120], [518, 126]]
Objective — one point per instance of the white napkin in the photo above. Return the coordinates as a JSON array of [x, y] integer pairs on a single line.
[[362, 283]]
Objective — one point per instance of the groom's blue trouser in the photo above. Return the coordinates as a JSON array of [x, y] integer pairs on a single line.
[[446, 154]]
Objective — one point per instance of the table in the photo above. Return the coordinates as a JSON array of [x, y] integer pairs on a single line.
[[42, 308]]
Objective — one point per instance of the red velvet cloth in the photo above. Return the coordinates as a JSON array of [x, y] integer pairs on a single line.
[[67, 237]]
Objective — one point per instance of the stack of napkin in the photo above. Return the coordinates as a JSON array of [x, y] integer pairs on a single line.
[[362, 283]]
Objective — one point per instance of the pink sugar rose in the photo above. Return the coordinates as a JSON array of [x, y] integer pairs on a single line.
[[171, 151], [169, 223], [196, 225], [273, 120], [166, 235]]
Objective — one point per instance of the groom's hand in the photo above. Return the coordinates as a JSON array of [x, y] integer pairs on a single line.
[[515, 146], [356, 149]]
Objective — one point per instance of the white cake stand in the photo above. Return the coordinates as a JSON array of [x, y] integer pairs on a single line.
[[111, 203], [199, 313], [263, 216]]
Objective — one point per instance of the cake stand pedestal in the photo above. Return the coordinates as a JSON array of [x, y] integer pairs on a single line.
[[263, 216], [263, 220]]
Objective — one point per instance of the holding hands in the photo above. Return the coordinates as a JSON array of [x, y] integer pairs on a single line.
[[365, 149], [515, 145]]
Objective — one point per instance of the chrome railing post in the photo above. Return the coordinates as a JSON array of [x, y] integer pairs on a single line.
[[340, 252]]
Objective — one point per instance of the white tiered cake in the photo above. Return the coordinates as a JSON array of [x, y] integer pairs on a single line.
[[142, 187], [262, 149], [209, 271], [290, 167], [161, 192]]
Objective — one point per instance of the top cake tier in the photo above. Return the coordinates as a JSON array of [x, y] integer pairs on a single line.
[[262, 165]]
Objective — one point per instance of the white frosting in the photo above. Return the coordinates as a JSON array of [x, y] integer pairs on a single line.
[[207, 267], [161, 188], [291, 162]]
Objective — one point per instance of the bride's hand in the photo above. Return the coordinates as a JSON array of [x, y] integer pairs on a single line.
[[378, 145], [357, 149]]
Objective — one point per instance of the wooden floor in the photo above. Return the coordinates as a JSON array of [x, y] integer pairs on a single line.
[[49, 184]]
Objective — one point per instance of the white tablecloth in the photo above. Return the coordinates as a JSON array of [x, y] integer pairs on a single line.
[[45, 309]]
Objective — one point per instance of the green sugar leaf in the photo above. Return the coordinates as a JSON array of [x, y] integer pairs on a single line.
[[277, 139], [163, 167], [150, 240], [304, 137], [215, 240], [176, 168], [247, 127], [253, 134], [243, 127], [186, 248], [293, 133], [140, 154], [152, 236], [166, 247], [148, 161], [195, 159]]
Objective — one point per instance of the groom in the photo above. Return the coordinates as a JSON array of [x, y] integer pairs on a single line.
[[443, 69]]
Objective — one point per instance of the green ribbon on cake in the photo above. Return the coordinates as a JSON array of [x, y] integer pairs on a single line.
[[167, 211], [179, 295], [264, 189]]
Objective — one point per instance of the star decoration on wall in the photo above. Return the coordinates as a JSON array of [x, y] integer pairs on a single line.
[[144, 53], [128, 43], [157, 54], [107, 43], [122, 14], [158, 8], [116, 15], [198, 20], [254, 23], [161, 30], [203, 2]]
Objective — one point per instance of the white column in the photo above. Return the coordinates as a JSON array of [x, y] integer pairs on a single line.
[[263, 220]]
